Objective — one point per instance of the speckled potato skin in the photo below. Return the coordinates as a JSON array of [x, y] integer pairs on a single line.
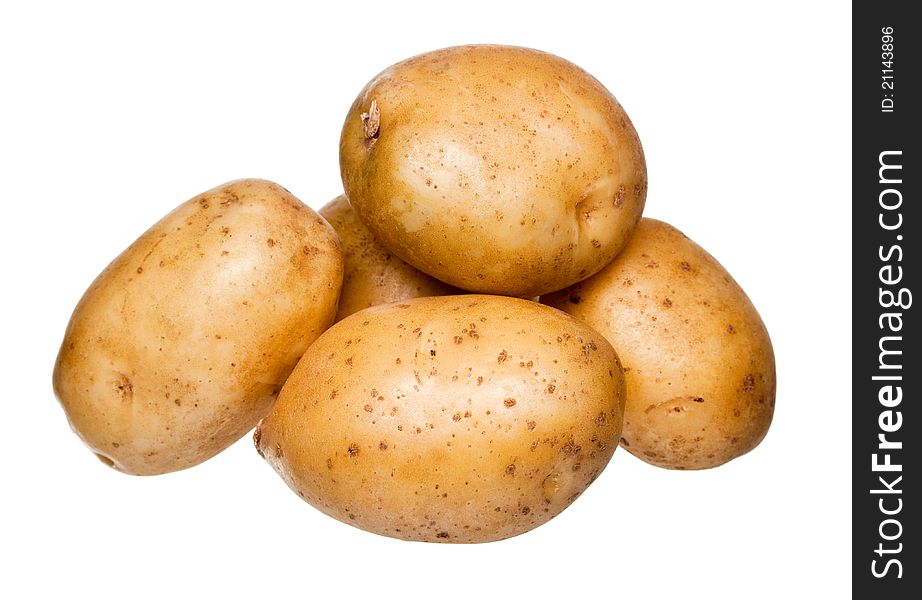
[[497, 169], [372, 274], [448, 419], [182, 343], [697, 358]]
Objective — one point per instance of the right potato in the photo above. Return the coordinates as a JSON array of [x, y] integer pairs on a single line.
[[698, 361]]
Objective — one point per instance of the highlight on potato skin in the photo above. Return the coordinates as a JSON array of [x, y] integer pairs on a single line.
[[455, 419], [698, 360], [496, 169], [182, 343], [373, 275]]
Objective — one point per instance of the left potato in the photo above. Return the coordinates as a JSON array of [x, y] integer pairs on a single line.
[[180, 346]]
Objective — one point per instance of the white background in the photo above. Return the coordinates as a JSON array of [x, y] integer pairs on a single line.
[[110, 116]]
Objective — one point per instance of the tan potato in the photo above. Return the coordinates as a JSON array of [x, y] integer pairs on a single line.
[[496, 169], [697, 358], [372, 274], [181, 344], [447, 419]]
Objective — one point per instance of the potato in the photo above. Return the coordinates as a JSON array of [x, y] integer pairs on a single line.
[[697, 358], [372, 274], [182, 343], [447, 419], [496, 169]]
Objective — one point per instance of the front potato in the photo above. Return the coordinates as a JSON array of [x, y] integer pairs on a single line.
[[698, 361], [181, 344], [447, 419], [496, 169]]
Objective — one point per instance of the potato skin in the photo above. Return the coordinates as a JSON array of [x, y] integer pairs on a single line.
[[697, 357], [448, 419], [372, 274], [181, 344], [496, 169]]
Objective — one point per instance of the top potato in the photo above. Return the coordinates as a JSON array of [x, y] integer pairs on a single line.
[[493, 168]]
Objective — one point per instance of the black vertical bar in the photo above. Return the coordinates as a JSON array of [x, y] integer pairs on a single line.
[[885, 271]]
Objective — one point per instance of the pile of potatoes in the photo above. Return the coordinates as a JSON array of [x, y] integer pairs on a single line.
[[446, 403]]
